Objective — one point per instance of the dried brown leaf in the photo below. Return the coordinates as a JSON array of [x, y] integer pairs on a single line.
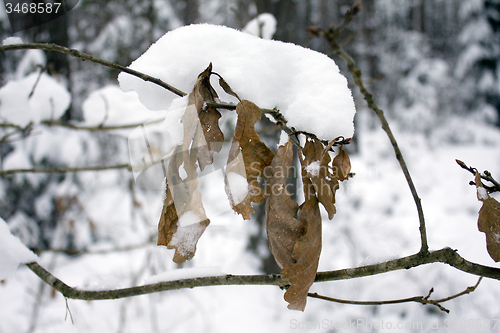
[[489, 223], [183, 199], [341, 165], [227, 88], [283, 227], [213, 136], [209, 138], [323, 183], [183, 219], [167, 225], [306, 252], [489, 219], [248, 156]]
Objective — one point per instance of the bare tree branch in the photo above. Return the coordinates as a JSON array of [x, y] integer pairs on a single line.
[[445, 255], [84, 56], [65, 170], [96, 128], [331, 36]]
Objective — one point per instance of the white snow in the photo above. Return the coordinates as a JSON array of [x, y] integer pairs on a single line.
[[49, 100], [313, 168], [186, 237], [32, 61], [306, 86], [12, 41], [110, 106], [263, 26], [12, 252], [238, 187], [188, 218], [185, 273], [161, 137], [283, 139], [482, 194]]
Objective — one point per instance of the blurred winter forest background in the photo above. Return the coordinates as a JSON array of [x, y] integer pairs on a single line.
[[433, 66]]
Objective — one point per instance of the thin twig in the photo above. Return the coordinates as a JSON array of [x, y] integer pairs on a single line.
[[42, 69], [25, 131], [84, 56], [97, 128], [468, 290], [419, 299], [330, 35], [68, 311], [66, 170], [486, 176]]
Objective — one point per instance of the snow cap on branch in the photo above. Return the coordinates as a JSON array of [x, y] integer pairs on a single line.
[[305, 85], [12, 252]]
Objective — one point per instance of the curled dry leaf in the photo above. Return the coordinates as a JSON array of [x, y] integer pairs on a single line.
[[282, 226], [306, 251], [341, 165], [183, 219], [209, 139], [489, 219], [227, 88], [323, 183], [248, 156]]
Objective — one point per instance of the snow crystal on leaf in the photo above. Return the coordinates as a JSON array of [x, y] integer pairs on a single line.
[[12, 252], [188, 218], [283, 139], [313, 168], [238, 187], [482, 194], [306, 86], [185, 239]]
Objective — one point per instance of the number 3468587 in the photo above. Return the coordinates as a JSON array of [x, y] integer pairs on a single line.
[[32, 8]]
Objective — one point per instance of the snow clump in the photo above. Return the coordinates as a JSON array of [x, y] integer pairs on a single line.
[[305, 85]]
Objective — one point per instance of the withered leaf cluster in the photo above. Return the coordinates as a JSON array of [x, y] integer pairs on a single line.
[[294, 232]]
